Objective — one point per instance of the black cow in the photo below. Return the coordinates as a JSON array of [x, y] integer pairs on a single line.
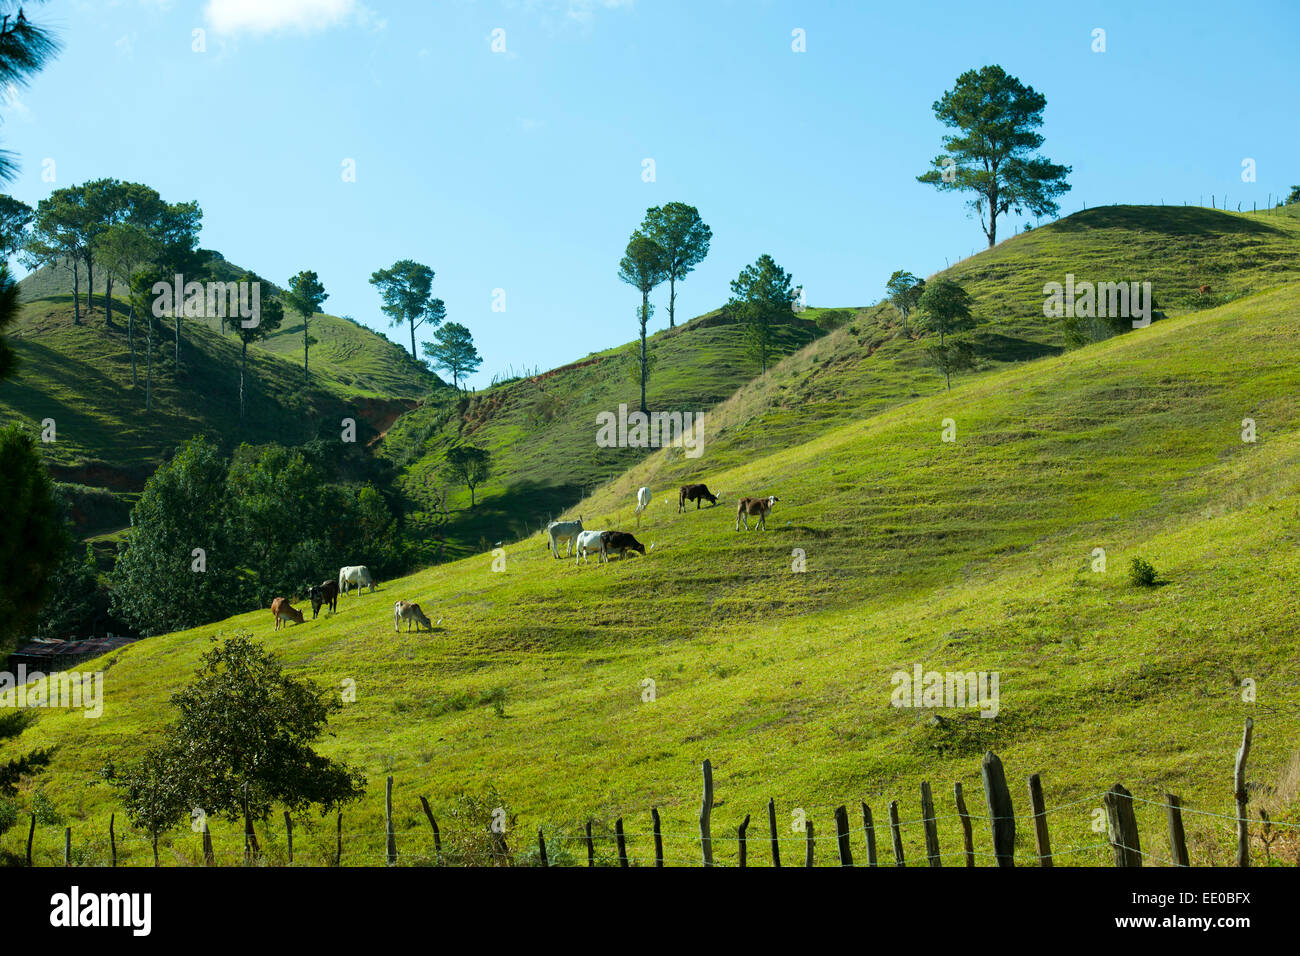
[[619, 541], [327, 593]]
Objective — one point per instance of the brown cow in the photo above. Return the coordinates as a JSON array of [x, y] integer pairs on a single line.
[[280, 609], [619, 541], [1204, 290], [694, 493], [755, 506]]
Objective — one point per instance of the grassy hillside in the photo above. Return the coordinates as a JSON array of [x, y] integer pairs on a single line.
[[80, 376], [969, 555], [348, 358], [875, 362], [541, 430]]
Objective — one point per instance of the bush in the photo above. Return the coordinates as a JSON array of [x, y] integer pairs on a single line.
[[832, 319], [1141, 574]]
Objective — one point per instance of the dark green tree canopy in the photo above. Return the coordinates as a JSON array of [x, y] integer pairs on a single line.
[[406, 288], [241, 744], [305, 294], [644, 264], [684, 238], [15, 219], [905, 292], [453, 351], [470, 466], [946, 307], [991, 154], [762, 296]]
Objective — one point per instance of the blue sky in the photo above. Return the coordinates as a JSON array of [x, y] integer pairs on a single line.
[[522, 170]]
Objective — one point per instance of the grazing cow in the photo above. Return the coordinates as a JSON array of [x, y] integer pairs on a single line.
[[410, 613], [588, 542], [755, 506], [281, 610], [357, 574], [566, 531], [642, 503], [619, 541], [324, 594], [694, 493], [1204, 290]]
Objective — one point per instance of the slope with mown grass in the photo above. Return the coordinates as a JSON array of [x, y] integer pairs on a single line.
[[541, 430], [974, 555], [80, 377]]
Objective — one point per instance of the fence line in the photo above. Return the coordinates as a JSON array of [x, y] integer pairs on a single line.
[[687, 847]]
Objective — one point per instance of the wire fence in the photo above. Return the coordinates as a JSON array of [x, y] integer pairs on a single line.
[[1107, 818]]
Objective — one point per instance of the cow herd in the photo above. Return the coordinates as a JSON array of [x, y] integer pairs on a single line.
[[326, 594], [580, 543]]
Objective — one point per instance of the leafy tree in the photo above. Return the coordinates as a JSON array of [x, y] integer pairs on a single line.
[[832, 319], [406, 288], [241, 744], [25, 48], [58, 235], [954, 356], [453, 351], [470, 466], [33, 535], [945, 307], [905, 292], [644, 265], [123, 250], [1295, 195], [158, 582], [76, 601], [272, 316], [997, 117], [678, 229], [15, 219], [760, 297], [305, 295], [266, 484]]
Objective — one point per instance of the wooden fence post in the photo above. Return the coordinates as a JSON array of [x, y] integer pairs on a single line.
[[870, 831], [67, 846], [810, 843], [1123, 826], [1036, 807], [288, 835], [622, 845], [31, 832], [541, 846], [209, 858], [896, 834], [659, 837], [1239, 790], [389, 835], [842, 835], [1002, 817], [1177, 839], [706, 808], [968, 842], [437, 837], [112, 837], [591, 850], [338, 853], [740, 835], [771, 823], [931, 826]]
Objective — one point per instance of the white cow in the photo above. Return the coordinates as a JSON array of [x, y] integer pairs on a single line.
[[588, 542], [565, 531], [642, 503], [357, 574]]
